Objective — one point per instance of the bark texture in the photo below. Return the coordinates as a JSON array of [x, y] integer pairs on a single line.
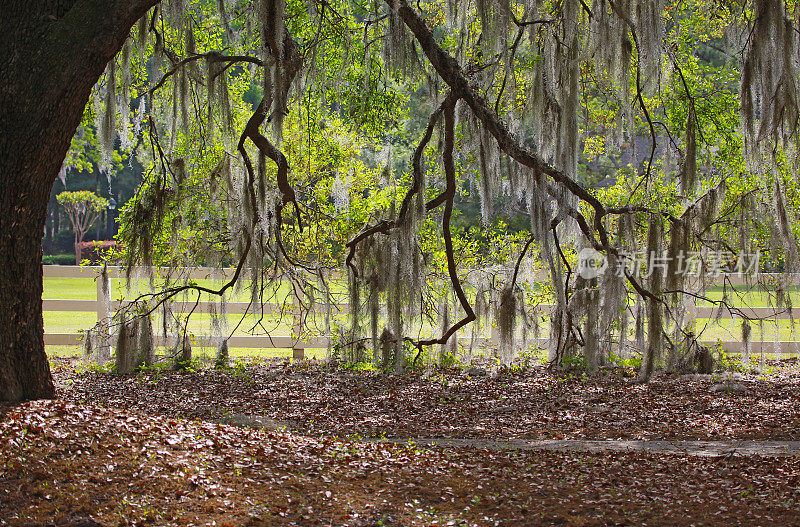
[[51, 54]]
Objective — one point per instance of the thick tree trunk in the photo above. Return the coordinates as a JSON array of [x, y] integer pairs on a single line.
[[24, 370], [51, 54]]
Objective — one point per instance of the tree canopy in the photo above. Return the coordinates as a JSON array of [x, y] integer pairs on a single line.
[[293, 136]]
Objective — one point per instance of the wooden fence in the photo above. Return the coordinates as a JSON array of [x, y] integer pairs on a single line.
[[298, 344]]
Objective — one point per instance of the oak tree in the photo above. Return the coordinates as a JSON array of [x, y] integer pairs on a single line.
[[508, 84]]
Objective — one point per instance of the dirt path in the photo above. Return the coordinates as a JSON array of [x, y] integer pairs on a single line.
[[692, 448], [723, 448]]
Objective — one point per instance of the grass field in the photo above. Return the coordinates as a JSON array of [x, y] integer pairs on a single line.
[[84, 288], [753, 296]]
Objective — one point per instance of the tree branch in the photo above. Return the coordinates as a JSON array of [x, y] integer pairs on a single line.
[[450, 71]]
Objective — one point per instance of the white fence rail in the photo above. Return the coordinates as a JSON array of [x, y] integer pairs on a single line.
[[294, 342], [298, 344]]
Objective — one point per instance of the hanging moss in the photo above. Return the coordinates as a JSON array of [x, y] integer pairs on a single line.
[[746, 343], [222, 10], [391, 266], [126, 350], [591, 330], [654, 349], [506, 319], [221, 361], [142, 33], [374, 320], [182, 350], [144, 341], [107, 117]]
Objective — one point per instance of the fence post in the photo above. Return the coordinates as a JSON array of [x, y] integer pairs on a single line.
[[102, 299], [102, 309], [297, 325]]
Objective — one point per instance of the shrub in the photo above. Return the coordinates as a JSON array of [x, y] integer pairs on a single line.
[[98, 252], [58, 259]]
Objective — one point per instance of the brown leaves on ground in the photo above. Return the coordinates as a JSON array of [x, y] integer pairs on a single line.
[[131, 451], [63, 460], [530, 405]]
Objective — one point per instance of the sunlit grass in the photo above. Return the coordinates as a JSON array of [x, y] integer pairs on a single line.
[[751, 296], [206, 354], [84, 288]]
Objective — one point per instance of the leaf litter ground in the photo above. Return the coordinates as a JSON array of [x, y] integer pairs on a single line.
[[152, 449]]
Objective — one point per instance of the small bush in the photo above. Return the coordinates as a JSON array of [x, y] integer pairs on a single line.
[[58, 259], [574, 362], [97, 252]]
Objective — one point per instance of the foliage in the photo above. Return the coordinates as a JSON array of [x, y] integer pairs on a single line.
[[290, 139], [82, 202], [82, 208], [58, 259]]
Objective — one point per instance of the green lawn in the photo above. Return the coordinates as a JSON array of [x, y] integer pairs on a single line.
[[84, 288], [208, 354], [754, 296]]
